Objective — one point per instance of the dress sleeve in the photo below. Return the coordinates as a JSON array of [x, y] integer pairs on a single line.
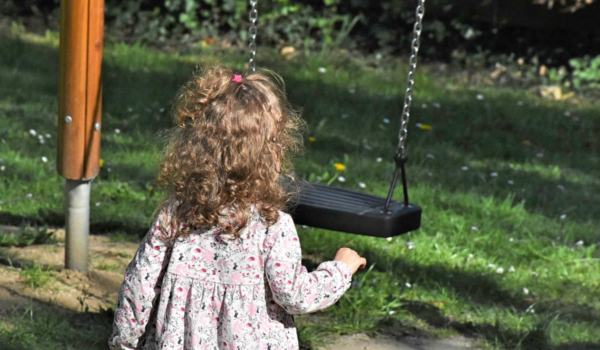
[[293, 287], [143, 278]]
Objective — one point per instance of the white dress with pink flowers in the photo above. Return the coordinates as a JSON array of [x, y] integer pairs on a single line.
[[209, 292]]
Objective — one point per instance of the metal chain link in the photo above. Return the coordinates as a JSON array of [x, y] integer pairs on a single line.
[[253, 16], [418, 27]]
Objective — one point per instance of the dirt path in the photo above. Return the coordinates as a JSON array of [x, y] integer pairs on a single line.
[[69, 291]]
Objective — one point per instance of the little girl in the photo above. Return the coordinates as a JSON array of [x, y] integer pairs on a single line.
[[220, 267]]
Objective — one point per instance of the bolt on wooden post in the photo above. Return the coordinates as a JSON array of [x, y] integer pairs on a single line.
[[79, 118]]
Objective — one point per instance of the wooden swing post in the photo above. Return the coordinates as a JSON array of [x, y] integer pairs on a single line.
[[79, 118]]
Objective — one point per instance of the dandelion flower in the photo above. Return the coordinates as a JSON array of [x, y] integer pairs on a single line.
[[500, 270], [101, 162], [340, 167], [312, 139], [44, 159], [423, 126], [341, 179], [322, 70], [362, 185]]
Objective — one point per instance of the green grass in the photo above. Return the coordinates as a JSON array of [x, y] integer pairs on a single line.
[[528, 199], [36, 276]]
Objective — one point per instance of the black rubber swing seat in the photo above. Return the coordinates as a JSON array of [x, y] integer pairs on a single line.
[[343, 210]]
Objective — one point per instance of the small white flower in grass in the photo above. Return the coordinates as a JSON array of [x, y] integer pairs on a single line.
[[374, 280], [424, 105], [561, 187], [162, 110], [391, 312], [389, 239], [540, 155], [408, 285], [319, 179], [430, 174], [352, 91], [304, 226], [534, 273], [525, 291], [469, 257], [532, 311], [480, 97], [44, 159], [108, 169], [42, 141], [378, 160], [29, 195], [430, 156], [511, 182], [40, 136], [386, 120], [341, 179], [520, 103], [344, 116], [437, 105], [130, 109], [567, 114], [511, 269], [410, 245], [464, 168], [579, 243], [32, 132], [563, 216], [500, 270], [117, 131], [362, 185], [322, 70], [491, 266], [48, 136], [2, 168], [511, 239], [494, 174], [368, 148], [98, 204], [474, 228]]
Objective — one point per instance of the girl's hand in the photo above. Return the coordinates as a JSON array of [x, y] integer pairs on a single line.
[[351, 258]]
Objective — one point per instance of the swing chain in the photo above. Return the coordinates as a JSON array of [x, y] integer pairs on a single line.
[[418, 27], [253, 16]]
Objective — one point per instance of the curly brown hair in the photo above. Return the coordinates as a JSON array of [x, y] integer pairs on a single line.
[[221, 159]]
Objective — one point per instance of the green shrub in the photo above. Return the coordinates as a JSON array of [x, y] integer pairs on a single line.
[[586, 72]]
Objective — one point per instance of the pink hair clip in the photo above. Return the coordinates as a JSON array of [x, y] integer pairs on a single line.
[[237, 78]]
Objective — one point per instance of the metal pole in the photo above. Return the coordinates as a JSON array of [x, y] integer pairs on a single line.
[[77, 226]]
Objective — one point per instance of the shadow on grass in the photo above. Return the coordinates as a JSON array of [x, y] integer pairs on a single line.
[[43, 325]]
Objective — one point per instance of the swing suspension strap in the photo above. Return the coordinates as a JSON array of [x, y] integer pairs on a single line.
[[253, 16], [400, 157]]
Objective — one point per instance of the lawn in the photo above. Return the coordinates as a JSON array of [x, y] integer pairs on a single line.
[[509, 184]]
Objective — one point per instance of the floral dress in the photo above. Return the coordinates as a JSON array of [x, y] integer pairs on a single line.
[[207, 291]]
